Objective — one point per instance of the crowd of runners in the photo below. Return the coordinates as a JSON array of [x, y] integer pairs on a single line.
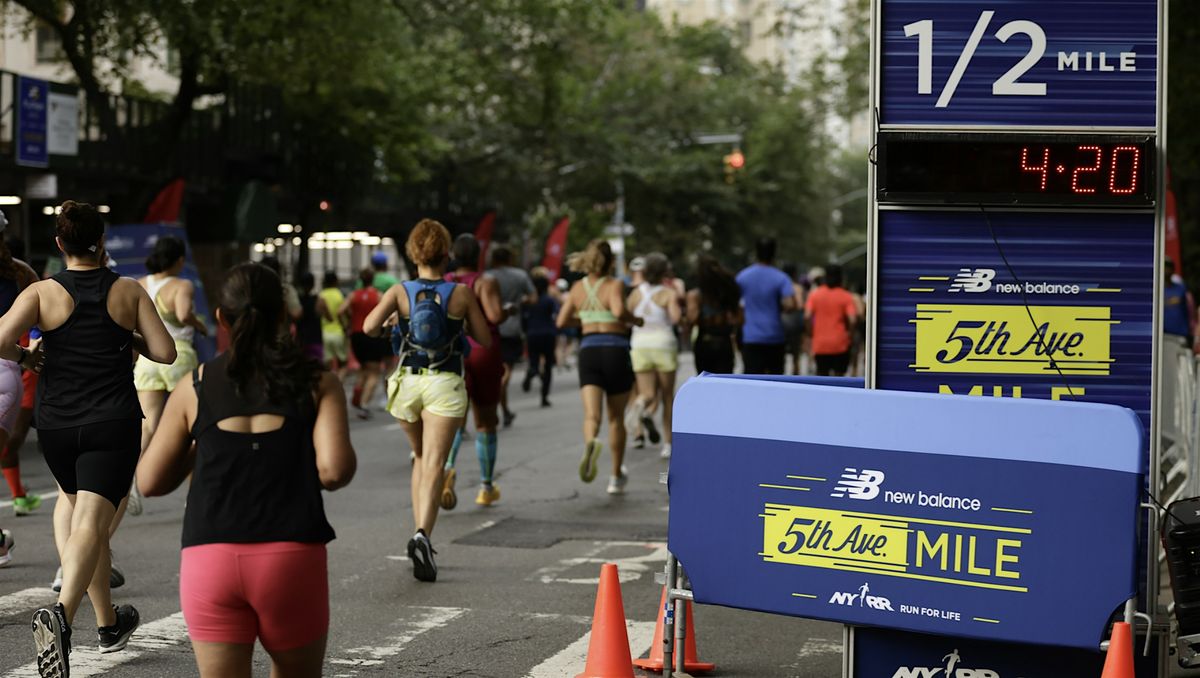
[[105, 368]]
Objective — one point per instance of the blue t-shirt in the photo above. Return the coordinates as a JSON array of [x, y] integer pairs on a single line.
[[763, 288]]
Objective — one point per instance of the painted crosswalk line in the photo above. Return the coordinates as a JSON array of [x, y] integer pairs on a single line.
[[425, 619], [87, 660], [570, 660]]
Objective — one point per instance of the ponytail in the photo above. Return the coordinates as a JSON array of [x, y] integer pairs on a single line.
[[261, 349]]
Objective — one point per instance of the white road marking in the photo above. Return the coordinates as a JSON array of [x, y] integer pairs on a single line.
[[819, 646], [27, 600], [87, 660], [49, 495], [630, 568], [425, 619], [571, 659]]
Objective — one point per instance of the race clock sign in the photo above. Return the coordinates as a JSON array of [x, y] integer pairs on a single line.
[[1066, 63]]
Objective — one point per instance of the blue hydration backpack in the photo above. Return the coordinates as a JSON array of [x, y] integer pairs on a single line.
[[426, 334]]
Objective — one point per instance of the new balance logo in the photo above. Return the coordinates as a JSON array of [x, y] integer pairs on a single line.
[[973, 280], [858, 484]]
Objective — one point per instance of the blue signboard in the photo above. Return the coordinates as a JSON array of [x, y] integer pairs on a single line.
[[1076, 321], [977, 517], [128, 246], [1066, 63], [880, 653], [32, 105]]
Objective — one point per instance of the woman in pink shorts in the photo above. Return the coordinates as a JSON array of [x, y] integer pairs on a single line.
[[268, 423]]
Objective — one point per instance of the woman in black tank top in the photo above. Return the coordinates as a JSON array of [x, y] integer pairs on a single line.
[[270, 423], [87, 415]]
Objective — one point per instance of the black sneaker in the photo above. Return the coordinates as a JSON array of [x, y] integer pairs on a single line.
[[651, 430], [52, 638], [508, 418], [420, 552], [114, 638], [115, 578]]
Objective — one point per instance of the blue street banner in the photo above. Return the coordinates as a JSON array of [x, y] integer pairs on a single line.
[[33, 98], [1055, 306], [128, 245], [988, 518], [1066, 63]]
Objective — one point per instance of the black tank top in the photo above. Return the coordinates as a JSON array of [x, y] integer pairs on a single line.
[[88, 376], [252, 488]]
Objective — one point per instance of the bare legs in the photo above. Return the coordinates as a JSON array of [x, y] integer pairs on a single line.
[[593, 408], [86, 560], [430, 438], [233, 660]]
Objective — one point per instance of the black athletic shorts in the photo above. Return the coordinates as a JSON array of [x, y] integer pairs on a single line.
[[99, 458], [608, 367], [833, 365], [511, 350], [369, 349], [763, 358]]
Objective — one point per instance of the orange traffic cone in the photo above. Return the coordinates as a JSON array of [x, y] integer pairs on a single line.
[[691, 663], [1119, 661], [608, 650]]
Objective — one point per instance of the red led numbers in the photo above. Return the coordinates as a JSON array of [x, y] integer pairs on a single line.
[[1044, 168], [1076, 186], [1135, 158]]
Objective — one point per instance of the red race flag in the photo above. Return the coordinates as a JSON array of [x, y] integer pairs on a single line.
[[483, 234], [167, 204], [556, 248]]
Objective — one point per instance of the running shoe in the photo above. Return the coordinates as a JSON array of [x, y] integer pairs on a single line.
[[527, 384], [666, 451], [52, 638], [23, 506], [488, 495], [634, 413], [616, 484], [591, 455], [114, 638], [651, 430], [420, 552], [508, 418], [6, 546], [449, 498], [546, 402], [56, 585], [639, 442], [362, 413], [116, 579], [134, 507]]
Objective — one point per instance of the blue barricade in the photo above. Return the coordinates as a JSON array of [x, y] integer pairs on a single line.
[[990, 518]]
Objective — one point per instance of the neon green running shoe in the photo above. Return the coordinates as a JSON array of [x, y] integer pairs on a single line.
[[23, 506]]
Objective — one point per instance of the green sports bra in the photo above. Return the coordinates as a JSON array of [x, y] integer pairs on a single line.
[[593, 312]]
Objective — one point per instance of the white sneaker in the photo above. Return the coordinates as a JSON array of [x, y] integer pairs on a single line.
[[6, 546], [616, 484], [634, 414], [666, 451], [134, 507]]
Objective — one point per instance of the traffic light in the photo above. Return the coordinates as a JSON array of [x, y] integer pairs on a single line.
[[735, 162]]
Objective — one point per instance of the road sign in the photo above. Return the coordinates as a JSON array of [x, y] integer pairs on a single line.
[[1066, 63]]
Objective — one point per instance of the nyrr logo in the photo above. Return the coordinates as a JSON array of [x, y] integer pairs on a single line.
[[950, 670], [973, 280], [858, 484], [861, 599]]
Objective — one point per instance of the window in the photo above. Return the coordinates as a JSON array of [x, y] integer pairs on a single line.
[[48, 45], [745, 32]]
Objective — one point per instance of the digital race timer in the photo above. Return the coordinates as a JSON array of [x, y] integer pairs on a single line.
[[1043, 170]]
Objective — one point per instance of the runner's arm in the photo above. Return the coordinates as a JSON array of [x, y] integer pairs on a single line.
[[567, 316], [674, 311], [150, 337], [185, 307], [489, 299], [171, 454], [336, 461], [693, 307], [616, 305], [373, 325], [13, 325], [477, 324]]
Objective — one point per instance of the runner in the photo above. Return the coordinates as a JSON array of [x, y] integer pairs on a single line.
[[484, 372], [654, 349], [17, 387], [596, 303], [832, 313], [714, 310], [516, 291], [540, 335], [270, 423], [174, 300], [308, 327], [427, 393], [368, 351], [333, 332], [88, 417]]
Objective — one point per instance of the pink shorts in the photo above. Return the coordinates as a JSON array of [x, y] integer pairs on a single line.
[[277, 592], [10, 394]]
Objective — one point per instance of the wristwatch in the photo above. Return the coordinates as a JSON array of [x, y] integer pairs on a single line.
[[25, 353]]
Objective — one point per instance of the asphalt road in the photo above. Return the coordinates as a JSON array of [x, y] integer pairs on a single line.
[[516, 586]]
